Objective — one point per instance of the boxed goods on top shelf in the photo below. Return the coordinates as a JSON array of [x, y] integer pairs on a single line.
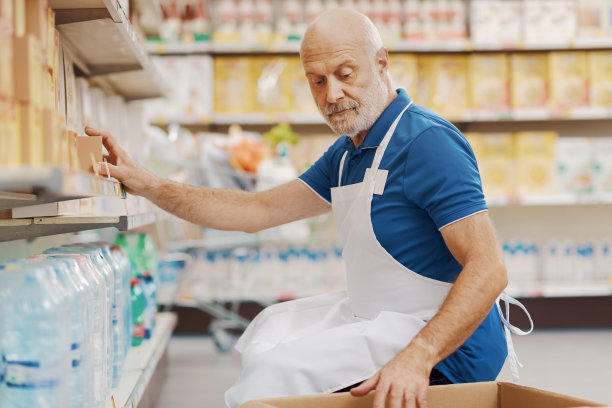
[[540, 167], [452, 25]]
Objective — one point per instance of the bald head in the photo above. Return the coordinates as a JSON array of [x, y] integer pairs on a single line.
[[337, 26]]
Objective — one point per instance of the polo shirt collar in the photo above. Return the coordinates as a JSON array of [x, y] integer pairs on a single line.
[[379, 129]]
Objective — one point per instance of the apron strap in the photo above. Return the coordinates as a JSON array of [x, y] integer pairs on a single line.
[[341, 167], [509, 328], [380, 151]]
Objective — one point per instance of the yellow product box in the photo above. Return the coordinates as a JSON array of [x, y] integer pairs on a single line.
[[272, 88], [6, 11], [497, 163], [568, 79], [4, 138], [52, 40], [36, 20], [529, 80], [234, 86], [489, 80], [301, 98], [72, 107], [445, 82], [475, 141], [600, 76], [27, 70], [404, 72], [52, 137], [6, 59], [31, 134], [13, 132], [48, 91], [19, 18], [536, 153]]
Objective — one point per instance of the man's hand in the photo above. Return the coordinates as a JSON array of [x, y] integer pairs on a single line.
[[136, 179], [404, 379]]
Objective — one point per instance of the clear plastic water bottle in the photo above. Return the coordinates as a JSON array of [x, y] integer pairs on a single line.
[[79, 311], [148, 289], [36, 341], [126, 273], [104, 275], [9, 280]]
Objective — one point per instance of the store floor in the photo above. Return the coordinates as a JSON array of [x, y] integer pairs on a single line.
[[574, 362]]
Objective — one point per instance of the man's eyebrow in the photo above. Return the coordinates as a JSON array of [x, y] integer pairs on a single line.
[[348, 62]]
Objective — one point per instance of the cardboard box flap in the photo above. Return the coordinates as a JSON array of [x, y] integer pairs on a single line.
[[512, 395], [472, 395]]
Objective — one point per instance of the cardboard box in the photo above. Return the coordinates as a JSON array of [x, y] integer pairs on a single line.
[[234, 87], [19, 18], [12, 137], [443, 84], [568, 79], [31, 134], [497, 163], [27, 70], [536, 162], [489, 82], [6, 59], [52, 40], [473, 395], [600, 76], [404, 71], [575, 165], [72, 104], [88, 146], [36, 20], [272, 90], [529, 80], [52, 137]]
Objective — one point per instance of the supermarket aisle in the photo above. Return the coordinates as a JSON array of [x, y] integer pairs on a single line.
[[574, 362]]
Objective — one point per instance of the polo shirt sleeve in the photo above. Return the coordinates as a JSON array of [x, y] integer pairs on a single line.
[[323, 174], [441, 176]]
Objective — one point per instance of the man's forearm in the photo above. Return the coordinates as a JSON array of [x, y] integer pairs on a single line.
[[223, 209]]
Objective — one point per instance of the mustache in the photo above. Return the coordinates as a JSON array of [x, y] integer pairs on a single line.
[[338, 107]]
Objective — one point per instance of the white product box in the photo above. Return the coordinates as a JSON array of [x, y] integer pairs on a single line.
[[574, 165]]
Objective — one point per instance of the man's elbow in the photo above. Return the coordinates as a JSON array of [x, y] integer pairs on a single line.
[[501, 277]]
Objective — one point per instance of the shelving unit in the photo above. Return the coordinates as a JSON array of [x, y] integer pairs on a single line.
[[105, 47], [141, 363], [25, 185]]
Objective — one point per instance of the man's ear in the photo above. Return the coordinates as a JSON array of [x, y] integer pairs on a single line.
[[382, 60]]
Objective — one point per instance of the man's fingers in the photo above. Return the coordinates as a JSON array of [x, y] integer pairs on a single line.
[[409, 400], [380, 395], [421, 398], [365, 387], [115, 171], [396, 397]]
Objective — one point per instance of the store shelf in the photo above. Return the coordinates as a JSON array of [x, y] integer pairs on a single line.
[[11, 230], [560, 290], [105, 46], [141, 363], [25, 185], [541, 200], [293, 47], [518, 115]]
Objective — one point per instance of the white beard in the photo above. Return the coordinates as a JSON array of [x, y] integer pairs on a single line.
[[364, 113]]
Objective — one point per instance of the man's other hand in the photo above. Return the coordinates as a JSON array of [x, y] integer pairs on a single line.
[[404, 381], [136, 179]]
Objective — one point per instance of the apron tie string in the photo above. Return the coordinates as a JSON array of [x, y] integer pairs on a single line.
[[509, 328]]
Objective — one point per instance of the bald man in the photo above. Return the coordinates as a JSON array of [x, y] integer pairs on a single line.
[[424, 267]]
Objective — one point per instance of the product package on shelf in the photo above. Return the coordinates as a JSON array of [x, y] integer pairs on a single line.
[[574, 165], [602, 166], [592, 21], [495, 154], [443, 84], [600, 78], [536, 166], [530, 79], [6, 60], [404, 71], [550, 23], [227, 30], [495, 23], [290, 25], [233, 88], [568, 79], [272, 89], [301, 98], [489, 82]]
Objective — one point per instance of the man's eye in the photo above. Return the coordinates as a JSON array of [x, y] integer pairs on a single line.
[[345, 76]]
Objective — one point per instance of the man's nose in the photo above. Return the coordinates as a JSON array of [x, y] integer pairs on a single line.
[[334, 91]]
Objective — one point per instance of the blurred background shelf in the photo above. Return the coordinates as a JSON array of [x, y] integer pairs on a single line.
[[106, 47], [25, 185]]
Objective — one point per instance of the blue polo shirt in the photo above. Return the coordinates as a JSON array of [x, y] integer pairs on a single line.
[[433, 181]]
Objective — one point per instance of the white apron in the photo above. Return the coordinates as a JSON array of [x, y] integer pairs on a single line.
[[324, 343]]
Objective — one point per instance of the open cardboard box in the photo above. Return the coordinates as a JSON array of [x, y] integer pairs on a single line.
[[473, 395]]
